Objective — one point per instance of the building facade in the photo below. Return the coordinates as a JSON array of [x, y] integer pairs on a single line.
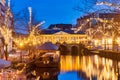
[[92, 22], [63, 37], [105, 16], [62, 33]]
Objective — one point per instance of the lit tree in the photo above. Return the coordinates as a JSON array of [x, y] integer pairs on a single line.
[[31, 40], [7, 35], [89, 6], [28, 42], [108, 27], [6, 30], [89, 32], [113, 30]]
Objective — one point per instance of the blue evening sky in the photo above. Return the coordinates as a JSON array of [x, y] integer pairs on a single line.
[[51, 11]]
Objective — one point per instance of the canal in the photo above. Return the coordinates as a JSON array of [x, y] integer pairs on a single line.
[[90, 67]]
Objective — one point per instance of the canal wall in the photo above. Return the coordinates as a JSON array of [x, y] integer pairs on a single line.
[[109, 54], [79, 49]]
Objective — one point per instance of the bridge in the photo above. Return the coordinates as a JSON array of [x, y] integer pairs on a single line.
[[73, 49]]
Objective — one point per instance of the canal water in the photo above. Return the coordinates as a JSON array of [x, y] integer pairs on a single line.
[[90, 67]]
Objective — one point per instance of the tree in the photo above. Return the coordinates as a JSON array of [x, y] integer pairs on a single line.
[[22, 18], [113, 30], [90, 6]]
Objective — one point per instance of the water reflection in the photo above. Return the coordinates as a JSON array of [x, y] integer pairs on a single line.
[[90, 67], [44, 74], [78, 68], [69, 63]]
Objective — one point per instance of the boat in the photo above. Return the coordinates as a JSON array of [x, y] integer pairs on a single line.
[[48, 60], [47, 73]]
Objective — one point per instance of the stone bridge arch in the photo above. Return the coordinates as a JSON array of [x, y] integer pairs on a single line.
[[74, 49], [63, 49]]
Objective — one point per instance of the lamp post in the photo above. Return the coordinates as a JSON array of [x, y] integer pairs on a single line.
[[21, 47]]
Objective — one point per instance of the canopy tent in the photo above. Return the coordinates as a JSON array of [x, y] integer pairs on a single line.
[[4, 63], [48, 46]]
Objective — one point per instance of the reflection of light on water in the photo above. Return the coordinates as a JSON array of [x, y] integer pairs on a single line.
[[96, 61], [103, 61], [119, 64], [69, 63], [102, 68]]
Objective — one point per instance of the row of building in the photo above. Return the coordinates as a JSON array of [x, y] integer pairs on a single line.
[[60, 33], [66, 32]]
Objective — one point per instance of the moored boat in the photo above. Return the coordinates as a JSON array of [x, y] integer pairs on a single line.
[[48, 60]]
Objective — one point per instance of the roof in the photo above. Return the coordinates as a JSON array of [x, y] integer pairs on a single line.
[[48, 46], [51, 31], [61, 26], [4, 63]]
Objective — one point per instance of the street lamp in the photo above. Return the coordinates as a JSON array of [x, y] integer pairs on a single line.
[[21, 45]]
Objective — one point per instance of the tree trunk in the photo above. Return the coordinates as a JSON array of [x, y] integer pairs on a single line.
[[21, 56], [105, 44], [6, 52], [113, 41]]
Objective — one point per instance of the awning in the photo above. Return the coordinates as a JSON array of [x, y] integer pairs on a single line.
[[48, 46], [4, 63]]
